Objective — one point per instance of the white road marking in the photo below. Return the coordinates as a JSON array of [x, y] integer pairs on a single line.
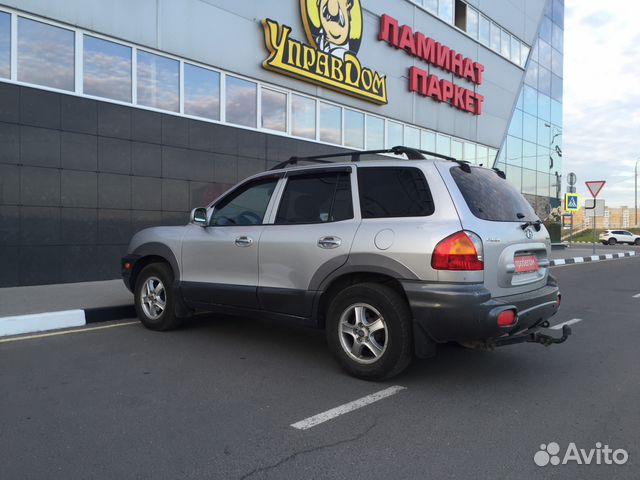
[[346, 408], [65, 332], [636, 296], [568, 322]]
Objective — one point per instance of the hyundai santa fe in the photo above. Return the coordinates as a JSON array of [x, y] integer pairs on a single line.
[[390, 256]]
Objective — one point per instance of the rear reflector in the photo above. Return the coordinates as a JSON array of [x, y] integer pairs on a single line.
[[460, 251], [506, 318]]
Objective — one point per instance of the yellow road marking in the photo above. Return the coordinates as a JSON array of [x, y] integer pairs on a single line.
[[65, 332]]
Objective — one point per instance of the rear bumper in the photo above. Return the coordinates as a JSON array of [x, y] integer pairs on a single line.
[[455, 312]]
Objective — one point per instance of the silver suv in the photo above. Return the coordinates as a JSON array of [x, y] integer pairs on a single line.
[[390, 256]]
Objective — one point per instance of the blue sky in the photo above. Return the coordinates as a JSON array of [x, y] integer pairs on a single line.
[[601, 96]]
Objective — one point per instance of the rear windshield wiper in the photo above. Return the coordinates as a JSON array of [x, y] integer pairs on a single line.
[[535, 224]]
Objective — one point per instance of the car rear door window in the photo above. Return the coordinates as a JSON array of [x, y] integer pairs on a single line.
[[316, 198], [387, 192], [245, 206], [491, 197]]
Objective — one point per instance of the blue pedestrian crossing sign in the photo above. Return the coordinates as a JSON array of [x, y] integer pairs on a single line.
[[571, 202]]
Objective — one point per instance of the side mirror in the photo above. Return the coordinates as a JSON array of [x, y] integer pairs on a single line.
[[199, 216]]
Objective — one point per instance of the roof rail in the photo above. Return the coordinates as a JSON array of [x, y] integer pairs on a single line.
[[411, 153]]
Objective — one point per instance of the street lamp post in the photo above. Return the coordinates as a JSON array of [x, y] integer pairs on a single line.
[[636, 183]]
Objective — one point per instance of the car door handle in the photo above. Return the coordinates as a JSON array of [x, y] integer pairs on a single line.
[[244, 241], [329, 242]]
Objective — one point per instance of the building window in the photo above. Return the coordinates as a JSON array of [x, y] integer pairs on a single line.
[[443, 145], [158, 81], [274, 110], [412, 137], [505, 44], [242, 101], [5, 45], [470, 152], [495, 37], [375, 133], [430, 5], [461, 15], [445, 10], [330, 123], [456, 149], [472, 22], [46, 55], [395, 134], [515, 50], [484, 28], [106, 69], [353, 129], [303, 116], [482, 155], [428, 141], [201, 92]]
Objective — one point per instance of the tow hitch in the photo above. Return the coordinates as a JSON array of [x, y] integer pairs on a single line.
[[534, 337]]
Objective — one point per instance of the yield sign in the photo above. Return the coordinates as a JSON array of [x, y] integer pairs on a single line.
[[595, 187]]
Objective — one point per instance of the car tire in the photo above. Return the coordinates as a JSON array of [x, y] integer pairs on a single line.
[[381, 345], [155, 298], [637, 242], [612, 241]]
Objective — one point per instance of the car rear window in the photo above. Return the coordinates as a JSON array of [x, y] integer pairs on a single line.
[[491, 197], [393, 192]]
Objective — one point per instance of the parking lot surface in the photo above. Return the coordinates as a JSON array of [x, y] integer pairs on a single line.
[[217, 398]]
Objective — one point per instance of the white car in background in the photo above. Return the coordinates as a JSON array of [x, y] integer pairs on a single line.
[[612, 237]]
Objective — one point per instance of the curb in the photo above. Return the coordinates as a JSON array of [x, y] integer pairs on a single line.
[[41, 322], [591, 259]]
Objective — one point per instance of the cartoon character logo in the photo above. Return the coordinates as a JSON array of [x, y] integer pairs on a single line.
[[333, 26]]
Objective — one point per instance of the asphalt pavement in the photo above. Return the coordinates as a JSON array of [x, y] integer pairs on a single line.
[[217, 399]]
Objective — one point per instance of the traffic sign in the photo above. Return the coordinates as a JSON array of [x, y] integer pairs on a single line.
[[595, 187], [572, 202], [594, 209], [571, 189], [571, 179]]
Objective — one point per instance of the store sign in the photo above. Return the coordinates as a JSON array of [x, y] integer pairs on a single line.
[[334, 32], [438, 55]]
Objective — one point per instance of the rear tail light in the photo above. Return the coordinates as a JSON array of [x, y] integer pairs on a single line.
[[506, 318], [460, 251]]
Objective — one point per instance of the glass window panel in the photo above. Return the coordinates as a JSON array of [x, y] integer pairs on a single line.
[[529, 155], [241, 102], [542, 188], [445, 10], [5, 45], [558, 13], [534, 52], [556, 112], [375, 133], [557, 38], [470, 152], [524, 53], [412, 137], [472, 22], [544, 81], [106, 69], [246, 206], [505, 43], [544, 54], [528, 181], [530, 100], [456, 149], [484, 26], [515, 128], [556, 88], [201, 92], [495, 37], [515, 50], [330, 123], [431, 6], [395, 135], [514, 175], [514, 151], [531, 75], [443, 145], [274, 110], [46, 55], [544, 130], [556, 62], [544, 107], [491, 157], [530, 128], [482, 155], [158, 81], [545, 29], [428, 141], [353, 129], [542, 165], [303, 116]]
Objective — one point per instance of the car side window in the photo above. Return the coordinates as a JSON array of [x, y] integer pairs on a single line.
[[246, 206], [387, 192], [316, 198]]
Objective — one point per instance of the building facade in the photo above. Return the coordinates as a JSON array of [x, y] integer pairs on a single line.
[[116, 116]]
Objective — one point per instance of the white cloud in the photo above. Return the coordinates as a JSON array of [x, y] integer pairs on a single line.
[[601, 99]]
